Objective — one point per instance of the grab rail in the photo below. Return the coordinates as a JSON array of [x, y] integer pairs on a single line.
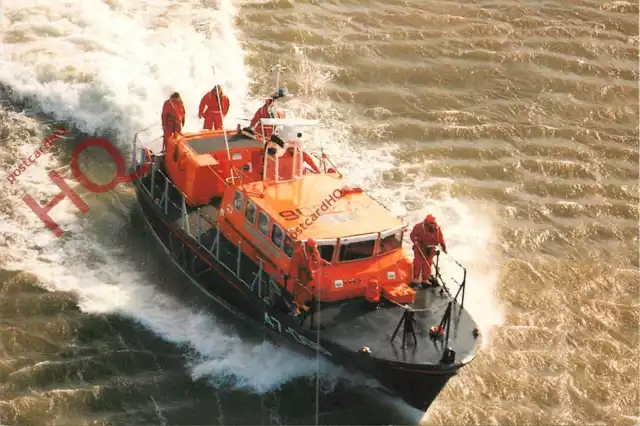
[[407, 319], [164, 201]]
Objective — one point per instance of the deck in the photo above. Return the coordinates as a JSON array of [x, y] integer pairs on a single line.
[[216, 143], [348, 323], [351, 324]]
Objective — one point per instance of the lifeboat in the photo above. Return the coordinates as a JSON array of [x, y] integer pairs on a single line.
[[275, 234]]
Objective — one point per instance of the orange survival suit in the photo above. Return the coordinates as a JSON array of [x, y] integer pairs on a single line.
[[172, 116], [210, 108], [372, 292], [267, 111], [263, 112], [304, 263], [425, 236]]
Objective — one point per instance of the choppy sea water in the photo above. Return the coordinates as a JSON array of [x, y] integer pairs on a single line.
[[514, 123]]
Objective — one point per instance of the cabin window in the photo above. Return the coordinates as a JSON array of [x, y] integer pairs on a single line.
[[237, 201], [277, 235], [288, 246], [326, 251], [250, 212], [391, 242], [263, 223], [355, 251]]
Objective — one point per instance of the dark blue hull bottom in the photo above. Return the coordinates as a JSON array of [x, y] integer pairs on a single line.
[[417, 386]]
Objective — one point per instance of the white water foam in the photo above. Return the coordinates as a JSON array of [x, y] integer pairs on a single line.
[[468, 228], [108, 67]]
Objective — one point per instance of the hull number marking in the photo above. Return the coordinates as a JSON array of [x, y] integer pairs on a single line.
[[275, 325]]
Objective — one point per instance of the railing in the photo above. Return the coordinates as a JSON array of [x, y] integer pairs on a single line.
[[164, 201], [324, 158], [159, 190], [442, 282], [408, 317]]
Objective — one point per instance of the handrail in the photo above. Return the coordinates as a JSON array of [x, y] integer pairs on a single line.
[[242, 174], [252, 245], [444, 326], [164, 202], [438, 253], [326, 158]]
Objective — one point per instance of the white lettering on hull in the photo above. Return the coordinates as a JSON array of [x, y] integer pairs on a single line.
[[275, 325]]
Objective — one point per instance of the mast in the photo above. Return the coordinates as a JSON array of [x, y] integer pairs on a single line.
[[278, 70], [224, 132]]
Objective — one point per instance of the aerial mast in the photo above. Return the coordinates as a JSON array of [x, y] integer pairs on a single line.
[[278, 70], [224, 132]]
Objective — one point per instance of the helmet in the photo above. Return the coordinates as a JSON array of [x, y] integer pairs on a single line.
[[430, 219], [281, 93]]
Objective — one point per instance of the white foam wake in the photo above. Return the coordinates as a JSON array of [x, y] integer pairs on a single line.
[[107, 67], [407, 191]]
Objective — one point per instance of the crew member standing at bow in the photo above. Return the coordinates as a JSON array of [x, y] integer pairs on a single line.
[[173, 116], [425, 236], [213, 108]]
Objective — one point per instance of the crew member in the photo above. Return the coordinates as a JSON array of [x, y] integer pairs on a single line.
[[372, 294], [266, 111], [315, 261], [212, 110], [173, 116], [304, 263], [425, 236]]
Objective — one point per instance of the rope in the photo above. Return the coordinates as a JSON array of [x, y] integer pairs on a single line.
[[317, 414], [224, 133], [318, 348]]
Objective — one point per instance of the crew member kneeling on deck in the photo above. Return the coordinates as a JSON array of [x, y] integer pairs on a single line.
[[372, 294], [173, 115], [425, 236], [213, 108]]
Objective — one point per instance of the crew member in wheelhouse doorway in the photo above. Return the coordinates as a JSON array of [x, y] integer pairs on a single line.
[[173, 116], [305, 261], [268, 110], [426, 236], [213, 108]]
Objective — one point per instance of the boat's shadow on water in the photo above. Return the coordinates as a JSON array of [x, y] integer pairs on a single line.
[[220, 398]]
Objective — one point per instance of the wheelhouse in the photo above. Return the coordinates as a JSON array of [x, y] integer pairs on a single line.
[[360, 247], [333, 250]]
